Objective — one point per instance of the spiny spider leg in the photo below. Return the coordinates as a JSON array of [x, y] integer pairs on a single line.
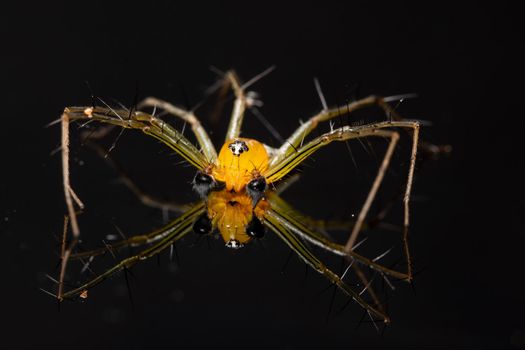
[[394, 137], [304, 253], [151, 237], [146, 123], [324, 225], [189, 117], [242, 101], [305, 223], [164, 238], [297, 228], [279, 170], [138, 120], [320, 240], [299, 135], [239, 107]]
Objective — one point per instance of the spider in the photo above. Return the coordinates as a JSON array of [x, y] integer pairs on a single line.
[[239, 186]]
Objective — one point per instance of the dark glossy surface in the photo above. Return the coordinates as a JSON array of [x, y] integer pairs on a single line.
[[466, 236]]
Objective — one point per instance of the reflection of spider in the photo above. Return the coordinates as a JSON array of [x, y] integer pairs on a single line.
[[239, 187]]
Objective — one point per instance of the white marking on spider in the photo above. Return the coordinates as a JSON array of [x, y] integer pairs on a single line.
[[237, 147], [234, 244]]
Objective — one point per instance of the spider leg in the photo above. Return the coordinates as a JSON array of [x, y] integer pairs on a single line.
[[189, 117], [162, 239], [301, 227], [312, 227], [141, 121], [296, 227], [137, 120], [300, 249], [298, 136], [325, 225], [146, 123], [279, 170], [68, 190], [367, 282], [239, 106], [242, 101], [65, 253], [142, 239], [394, 137]]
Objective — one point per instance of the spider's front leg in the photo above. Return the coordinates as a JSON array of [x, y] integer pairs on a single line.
[[282, 168], [239, 107], [297, 138], [143, 122], [189, 117]]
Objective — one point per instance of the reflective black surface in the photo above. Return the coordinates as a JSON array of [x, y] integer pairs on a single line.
[[466, 236]]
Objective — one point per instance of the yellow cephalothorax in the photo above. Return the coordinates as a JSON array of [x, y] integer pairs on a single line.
[[235, 202], [240, 160]]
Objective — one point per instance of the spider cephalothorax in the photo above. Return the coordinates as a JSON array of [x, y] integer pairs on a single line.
[[234, 190]]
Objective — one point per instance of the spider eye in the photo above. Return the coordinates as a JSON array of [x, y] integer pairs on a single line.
[[257, 185], [256, 188], [203, 179], [234, 244], [255, 228], [202, 225], [202, 184]]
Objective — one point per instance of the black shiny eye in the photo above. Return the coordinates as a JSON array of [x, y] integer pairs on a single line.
[[256, 188], [257, 185], [255, 228], [203, 179], [202, 184], [202, 225]]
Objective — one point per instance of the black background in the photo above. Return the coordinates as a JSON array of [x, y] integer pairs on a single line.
[[462, 61]]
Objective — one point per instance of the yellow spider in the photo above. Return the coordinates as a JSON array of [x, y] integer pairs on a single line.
[[237, 186]]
